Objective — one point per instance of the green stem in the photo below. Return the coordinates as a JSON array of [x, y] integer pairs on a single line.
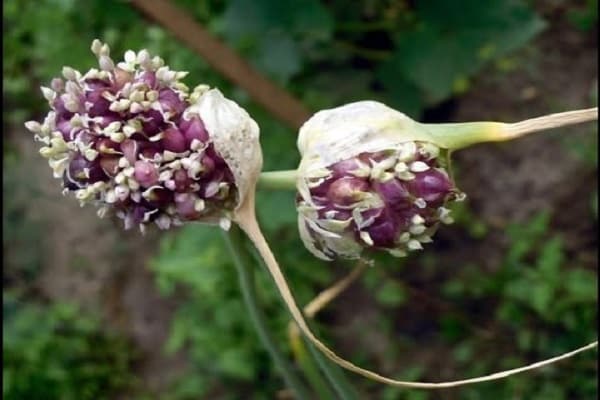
[[246, 277], [334, 375], [455, 136], [310, 368], [460, 135], [278, 180]]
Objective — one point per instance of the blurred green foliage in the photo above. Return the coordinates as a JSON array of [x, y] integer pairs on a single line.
[[540, 302], [429, 51], [212, 325], [586, 16], [21, 243], [56, 353], [447, 43], [413, 55]]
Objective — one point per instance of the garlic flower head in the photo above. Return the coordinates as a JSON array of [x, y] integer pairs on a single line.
[[370, 178], [130, 137]]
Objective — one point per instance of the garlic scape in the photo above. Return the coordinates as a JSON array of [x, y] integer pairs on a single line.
[[371, 178]]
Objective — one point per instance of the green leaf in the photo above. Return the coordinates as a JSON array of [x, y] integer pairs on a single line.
[[551, 258], [524, 237], [276, 210], [581, 285], [236, 363], [404, 95], [433, 60], [278, 56], [584, 19], [391, 294], [454, 41], [256, 17], [541, 296], [463, 352], [195, 248], [525, 339]]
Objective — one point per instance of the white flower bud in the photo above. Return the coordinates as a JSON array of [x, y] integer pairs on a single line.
[[48, 93], [70, 74], [33, 126], [96, 46]]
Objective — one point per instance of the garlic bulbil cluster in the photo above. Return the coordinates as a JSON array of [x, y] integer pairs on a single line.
[[369, 179], [132, 138]]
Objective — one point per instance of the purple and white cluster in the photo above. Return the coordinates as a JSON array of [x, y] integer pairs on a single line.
[[392, 200], [131, 138], [370, 178]]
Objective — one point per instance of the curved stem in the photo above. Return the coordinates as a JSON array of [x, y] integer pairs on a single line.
[[246, 218], [329, 294], [240, 254]]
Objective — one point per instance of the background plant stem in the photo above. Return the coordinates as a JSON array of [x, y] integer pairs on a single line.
[[334, 375], [310, 368], [241, 255], [222, 58]]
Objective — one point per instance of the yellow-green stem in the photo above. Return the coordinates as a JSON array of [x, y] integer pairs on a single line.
[[456, 136], [278, 180], [460, 135]]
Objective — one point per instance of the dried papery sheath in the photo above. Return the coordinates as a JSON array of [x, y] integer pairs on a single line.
[[370, 178], [131, 138]]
